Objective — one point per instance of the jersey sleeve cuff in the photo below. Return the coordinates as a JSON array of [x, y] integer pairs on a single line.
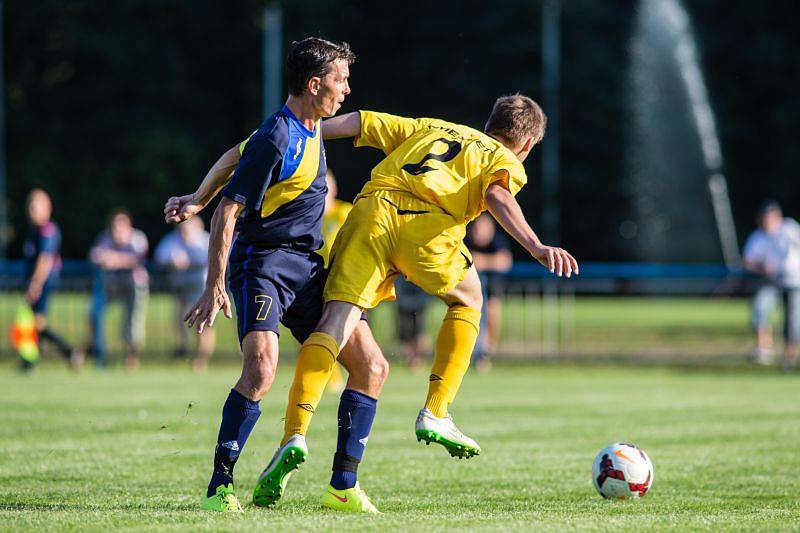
[[357, 140]]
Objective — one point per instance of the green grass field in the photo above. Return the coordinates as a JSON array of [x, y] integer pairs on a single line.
[[110, 451]]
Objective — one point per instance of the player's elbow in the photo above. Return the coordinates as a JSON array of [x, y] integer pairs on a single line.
[[497, 195]]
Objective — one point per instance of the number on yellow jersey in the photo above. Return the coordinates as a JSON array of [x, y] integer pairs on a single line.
[[453, 148]]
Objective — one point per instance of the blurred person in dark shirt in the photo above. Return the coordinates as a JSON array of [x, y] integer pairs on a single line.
[[119, 253], [42, 269], [183, 256], [491, 254]]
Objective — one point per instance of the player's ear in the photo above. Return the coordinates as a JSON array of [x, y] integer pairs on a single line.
[[313, 85], [528, 145]]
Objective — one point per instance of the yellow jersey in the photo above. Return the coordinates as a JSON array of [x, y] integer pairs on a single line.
[[332, 221], [445, 164]]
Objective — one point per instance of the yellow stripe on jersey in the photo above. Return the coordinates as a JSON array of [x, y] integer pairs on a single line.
[[244, 142], [290, 188]]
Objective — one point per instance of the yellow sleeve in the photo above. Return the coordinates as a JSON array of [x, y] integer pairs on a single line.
[[507, 168], [386, 132]]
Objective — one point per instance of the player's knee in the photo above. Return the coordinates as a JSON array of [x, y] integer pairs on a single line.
[[476, 301], [377, 371], [259, 372], [265, 373], [472, 299], [467, 294], [259, 382]]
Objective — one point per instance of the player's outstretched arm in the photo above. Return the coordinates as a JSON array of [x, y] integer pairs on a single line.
[[505, 209], [180, 208], [214, 296], [343, 126]]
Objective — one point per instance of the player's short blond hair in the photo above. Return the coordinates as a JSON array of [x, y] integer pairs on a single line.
[[515, 118]]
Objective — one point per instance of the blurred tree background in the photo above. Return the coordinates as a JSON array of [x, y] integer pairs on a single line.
[[125, 104]]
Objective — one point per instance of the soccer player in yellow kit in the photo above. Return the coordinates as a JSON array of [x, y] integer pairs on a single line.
[[410, 219]]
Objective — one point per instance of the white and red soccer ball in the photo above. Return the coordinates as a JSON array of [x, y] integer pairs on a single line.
[[622, 471]]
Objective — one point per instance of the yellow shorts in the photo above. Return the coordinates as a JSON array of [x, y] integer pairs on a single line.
[[389, 233]]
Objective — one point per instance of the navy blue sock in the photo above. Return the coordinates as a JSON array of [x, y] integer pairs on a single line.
[[239, 416], [356, 413]]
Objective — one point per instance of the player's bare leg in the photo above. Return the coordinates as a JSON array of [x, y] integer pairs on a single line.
[[240, 414], [454, 346], [364, 362]]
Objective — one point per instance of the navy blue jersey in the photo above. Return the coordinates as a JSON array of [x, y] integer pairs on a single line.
[[280, 179], [42, 239]]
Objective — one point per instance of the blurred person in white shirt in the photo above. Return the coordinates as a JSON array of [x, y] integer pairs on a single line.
[[773, 252]]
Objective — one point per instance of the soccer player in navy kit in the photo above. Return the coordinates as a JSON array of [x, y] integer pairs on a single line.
[[42, 267], [275, 200]]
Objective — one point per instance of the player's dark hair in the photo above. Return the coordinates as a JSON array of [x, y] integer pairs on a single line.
[[312, 57], [515, 118]]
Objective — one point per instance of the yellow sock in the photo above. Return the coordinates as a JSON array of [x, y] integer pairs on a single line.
[[454, 347], [314, 365], [337, 381]]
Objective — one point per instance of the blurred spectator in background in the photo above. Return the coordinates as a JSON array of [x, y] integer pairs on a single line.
[[119, 253], [335, 214], [183, 256], [42, 268], [491, 255], [411, 304], [773, 252]]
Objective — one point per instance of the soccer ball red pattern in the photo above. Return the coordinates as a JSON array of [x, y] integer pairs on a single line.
[[622, 471]]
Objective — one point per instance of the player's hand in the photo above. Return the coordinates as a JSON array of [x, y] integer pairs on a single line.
[[204, 312], [180, 208], [557, 260], [33, 293]]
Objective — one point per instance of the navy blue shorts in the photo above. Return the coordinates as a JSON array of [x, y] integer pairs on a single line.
[[274, 285], [39, 307]]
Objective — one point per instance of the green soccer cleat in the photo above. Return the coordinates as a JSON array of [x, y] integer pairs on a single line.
[[224, 500], [443, 431], [353, 500], [273, 480]]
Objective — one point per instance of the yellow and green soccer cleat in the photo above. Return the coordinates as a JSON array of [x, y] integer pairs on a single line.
[[223, 500], [272, 482], [443, 431], [353, 500]]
